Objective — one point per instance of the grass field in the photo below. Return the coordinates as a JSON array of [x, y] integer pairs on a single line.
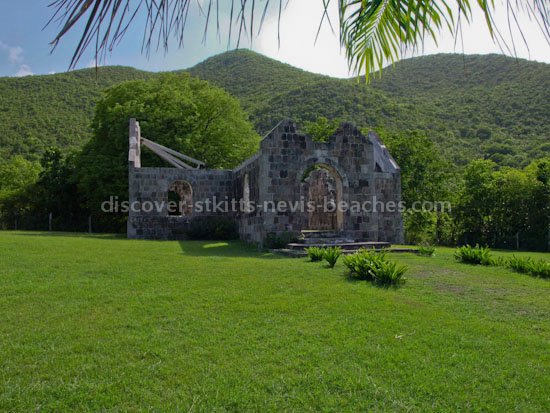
[[100, 323]]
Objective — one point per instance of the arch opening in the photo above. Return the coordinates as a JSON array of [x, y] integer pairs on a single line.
[[180, 199], [323, 191]]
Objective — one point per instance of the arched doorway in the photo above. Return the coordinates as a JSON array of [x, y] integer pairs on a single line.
[[180, 199], [323, 192]]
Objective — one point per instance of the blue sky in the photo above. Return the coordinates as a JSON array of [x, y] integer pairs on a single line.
[[25, 49]]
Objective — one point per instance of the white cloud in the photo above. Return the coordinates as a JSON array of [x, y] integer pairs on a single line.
[[15, 53], [301, 19], [299, 24], [24, 70]]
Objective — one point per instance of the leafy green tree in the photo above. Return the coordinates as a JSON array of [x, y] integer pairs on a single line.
[[538, 221], [423, 172], [510, 199], [424, 177], [475, 202], [56, 191], [17, 174], [321, 129], [174, 110], [505, 207]]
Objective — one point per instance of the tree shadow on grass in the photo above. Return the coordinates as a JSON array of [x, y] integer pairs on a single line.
[[61, 234], [223, 249], [189, 248]]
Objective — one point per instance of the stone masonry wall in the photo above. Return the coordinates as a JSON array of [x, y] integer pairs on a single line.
[[150, 185], [361, 166]]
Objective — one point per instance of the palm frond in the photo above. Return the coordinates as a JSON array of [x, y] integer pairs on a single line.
[[372, 32]]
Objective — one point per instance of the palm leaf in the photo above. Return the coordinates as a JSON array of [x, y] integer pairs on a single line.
[[372, 32]]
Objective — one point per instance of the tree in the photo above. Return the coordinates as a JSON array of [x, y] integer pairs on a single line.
[[372, 32], [56, 192], [174, 110], [475, 202], [423, 172], [538, 221], [321, 129], [16, 176], [424, 177], [512, 193]]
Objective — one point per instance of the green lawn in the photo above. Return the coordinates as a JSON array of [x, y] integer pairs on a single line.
[[100, 323]]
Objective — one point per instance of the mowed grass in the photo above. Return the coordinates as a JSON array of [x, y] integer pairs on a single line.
[[100, 323]]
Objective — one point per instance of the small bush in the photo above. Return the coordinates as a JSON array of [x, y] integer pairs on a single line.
[[540, 268], [374, 266], [426, 250], [519, 264], [363, 264], [315, 253], [389, 273], [331, 255], [473, 255], [526, 265], [498, 262]]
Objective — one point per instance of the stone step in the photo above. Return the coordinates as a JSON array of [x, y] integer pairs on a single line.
[[295, 253], [318, 233], [343, 245], [310, 241]]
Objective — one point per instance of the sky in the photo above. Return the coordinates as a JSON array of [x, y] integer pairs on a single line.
[[25, 43]]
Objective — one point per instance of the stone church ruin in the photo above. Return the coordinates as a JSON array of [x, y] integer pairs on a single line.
[[291, 185]]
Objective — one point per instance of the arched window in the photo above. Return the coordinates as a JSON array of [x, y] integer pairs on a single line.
[[180, 199]]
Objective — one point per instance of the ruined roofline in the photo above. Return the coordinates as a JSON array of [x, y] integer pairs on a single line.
[[287, 125], [378, 144], [343, 130]]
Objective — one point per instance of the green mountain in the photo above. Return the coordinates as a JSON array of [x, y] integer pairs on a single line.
[[37, 112], [471, 106]]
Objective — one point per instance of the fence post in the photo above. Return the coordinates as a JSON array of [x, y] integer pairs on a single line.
[[50, 222], [89, 224]]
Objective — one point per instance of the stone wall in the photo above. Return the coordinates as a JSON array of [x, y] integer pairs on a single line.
[[150, 186], [360, 165]]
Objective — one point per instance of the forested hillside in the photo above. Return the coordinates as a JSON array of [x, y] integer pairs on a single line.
[[488, 106], [37, 112], [470, 106]]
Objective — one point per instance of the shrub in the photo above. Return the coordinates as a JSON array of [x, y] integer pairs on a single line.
[[331, 255], [374, 266], [519, 264], [277, 241], [498, 262], [426, 250], [389, 273], [473, 255], [540, 268], [526, 265], [315, 253], [362, 265], [212, 228]]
